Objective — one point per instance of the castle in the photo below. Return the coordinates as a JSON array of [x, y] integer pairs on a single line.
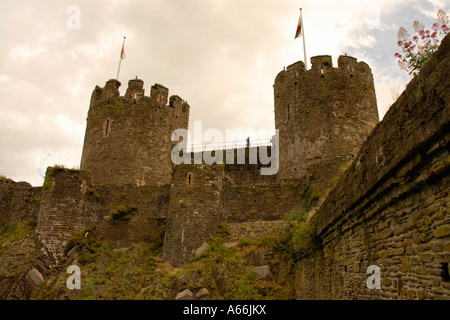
[[375, 180], [323, 115]]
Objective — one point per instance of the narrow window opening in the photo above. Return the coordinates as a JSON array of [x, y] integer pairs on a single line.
[[321, 71], [106, 127], [176, 111], [189, 179], [288, 113], [445, 272], [134, 96]]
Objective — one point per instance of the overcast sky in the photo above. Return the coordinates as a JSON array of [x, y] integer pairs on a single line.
[[221, 56]]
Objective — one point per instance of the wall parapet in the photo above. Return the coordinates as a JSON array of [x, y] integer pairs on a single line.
[[409, 131], [390, 208]]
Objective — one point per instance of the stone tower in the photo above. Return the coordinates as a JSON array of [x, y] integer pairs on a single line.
[[323, 115], [127, 137]]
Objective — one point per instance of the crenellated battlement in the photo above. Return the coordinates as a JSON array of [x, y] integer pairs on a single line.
[[127, 137], [323, 66], [135, 93], [322, 113]]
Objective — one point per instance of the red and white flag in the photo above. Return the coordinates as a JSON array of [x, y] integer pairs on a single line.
[[299, 31]]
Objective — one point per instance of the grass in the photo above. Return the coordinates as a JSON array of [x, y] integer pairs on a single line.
[[302, 232], [51, 172], [13, 233], [310, 196], [3, 177], [141, 273], [123, 211]]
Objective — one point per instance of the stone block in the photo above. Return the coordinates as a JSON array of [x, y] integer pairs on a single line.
[[262, 272], [203, 294], [406, 264], [185, 295], [443, 231], [33, 279], [199, 251]]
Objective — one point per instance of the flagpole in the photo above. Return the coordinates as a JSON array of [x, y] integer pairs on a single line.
[[303, 31], [120, 60]]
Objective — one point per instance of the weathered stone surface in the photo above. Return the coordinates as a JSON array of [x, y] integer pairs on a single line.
[[390, 208], [203, 294], [442, 232], [262, 272], [131, 134], [33, 279], [323, 115], [19, 201], [185, 295], [120, 250], [201, 249]]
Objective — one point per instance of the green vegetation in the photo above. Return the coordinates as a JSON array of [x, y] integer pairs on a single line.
[[13, 233], [52, 172], [116, 105], [78, 239], [122, 211], [303, 228], [139, 272], [310, 196], [419, 49], [302, 232]]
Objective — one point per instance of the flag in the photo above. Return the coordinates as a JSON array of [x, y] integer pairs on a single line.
[[299, 31], [122, 53]]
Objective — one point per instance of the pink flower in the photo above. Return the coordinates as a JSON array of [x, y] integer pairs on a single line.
[[433, 35], [415, 38], [399, 43]]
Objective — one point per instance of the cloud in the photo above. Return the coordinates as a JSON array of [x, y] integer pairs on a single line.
[[220, 56]]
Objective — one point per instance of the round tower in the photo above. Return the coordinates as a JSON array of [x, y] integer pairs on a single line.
[[323, 115], [127, 138]]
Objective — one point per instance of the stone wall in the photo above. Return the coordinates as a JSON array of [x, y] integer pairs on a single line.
[[124, 214], [203, 196], [147, 207], [19, 201], [65, 209], [195, 210], [390, 208], [322, 114], [127, 137]]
